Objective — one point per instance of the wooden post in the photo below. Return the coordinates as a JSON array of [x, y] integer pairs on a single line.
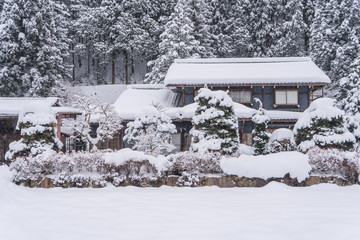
[[183, 96]]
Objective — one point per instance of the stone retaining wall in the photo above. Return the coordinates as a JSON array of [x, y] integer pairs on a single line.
[[227, 181]]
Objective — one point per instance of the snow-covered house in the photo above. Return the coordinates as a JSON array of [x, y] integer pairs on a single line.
[[286, 87], [10, 108]]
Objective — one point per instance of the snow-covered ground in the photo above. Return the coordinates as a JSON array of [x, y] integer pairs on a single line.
[[275, 211]]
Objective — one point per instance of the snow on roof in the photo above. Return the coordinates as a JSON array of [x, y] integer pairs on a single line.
[[110, 93], [13, 106], [72, 110], [132, 101], [245, 71], [241, 111], [107, 93]]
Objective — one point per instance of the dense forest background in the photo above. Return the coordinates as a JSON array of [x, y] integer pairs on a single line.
[[48, 44]]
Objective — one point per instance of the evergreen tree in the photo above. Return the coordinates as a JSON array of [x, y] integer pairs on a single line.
[[215, 126], [33, 48], [349, 100], [264, 22], [151, 132], [291, 41], [260, 136], [177, 41], [224, 27], [322, 125], [334, 36], [308, 13], [201, 18], [37, 126]]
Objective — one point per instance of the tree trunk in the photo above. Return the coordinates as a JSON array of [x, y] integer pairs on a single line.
[[73, 62], [113, 70], [126, 68]]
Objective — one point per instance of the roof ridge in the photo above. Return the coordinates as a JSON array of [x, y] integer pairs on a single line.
[[241, 60]]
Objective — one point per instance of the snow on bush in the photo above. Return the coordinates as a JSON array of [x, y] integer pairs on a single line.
[[151, 132], [94, 112], [37, 125], [215, 126], [275, 165], [194, 163], [260, 136], [322, 124], [334, 162], [281, 140], [245, 149], [82, 168]]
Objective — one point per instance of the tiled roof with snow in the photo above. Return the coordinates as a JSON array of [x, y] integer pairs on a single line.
[[245, 71], [110, 93], [240, 110], [132, 101], [12, 106]]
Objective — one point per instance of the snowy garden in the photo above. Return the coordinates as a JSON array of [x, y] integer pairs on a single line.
[[321, 148]]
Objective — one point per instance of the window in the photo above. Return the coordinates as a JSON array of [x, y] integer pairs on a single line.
[[176, 140], [241, 96], [286, 97]]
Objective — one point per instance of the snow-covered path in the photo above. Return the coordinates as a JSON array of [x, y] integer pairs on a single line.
[[272, 212]]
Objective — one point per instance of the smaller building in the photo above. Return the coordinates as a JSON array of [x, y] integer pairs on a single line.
[[10, 109]]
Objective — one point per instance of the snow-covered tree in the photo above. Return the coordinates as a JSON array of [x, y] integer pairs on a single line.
[[94, 113], [349, 100], [215, 126], [151, 132], [334, 36], [37, 125], [274, 27], [177, 41], [260, 136], [201, 17], [226, 32], [33, 45], [322, 125]]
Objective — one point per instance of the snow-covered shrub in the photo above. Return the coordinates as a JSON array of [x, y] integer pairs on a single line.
[[37, 125], [260, 136], [94, 112], [188, 180], [215, 126], [322, 125], [82, 168], [194, 163], [281, 140], [349, 100], [151, 132], [334, 162]]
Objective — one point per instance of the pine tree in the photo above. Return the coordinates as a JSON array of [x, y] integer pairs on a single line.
[[215, 126], [177, 41], [260, 136], [224, 27], [349, 100], [264, 22], [334, 36], [322, 125], [201, 17], [37, 126], [151, 132], [33, 48], [291, 42]]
